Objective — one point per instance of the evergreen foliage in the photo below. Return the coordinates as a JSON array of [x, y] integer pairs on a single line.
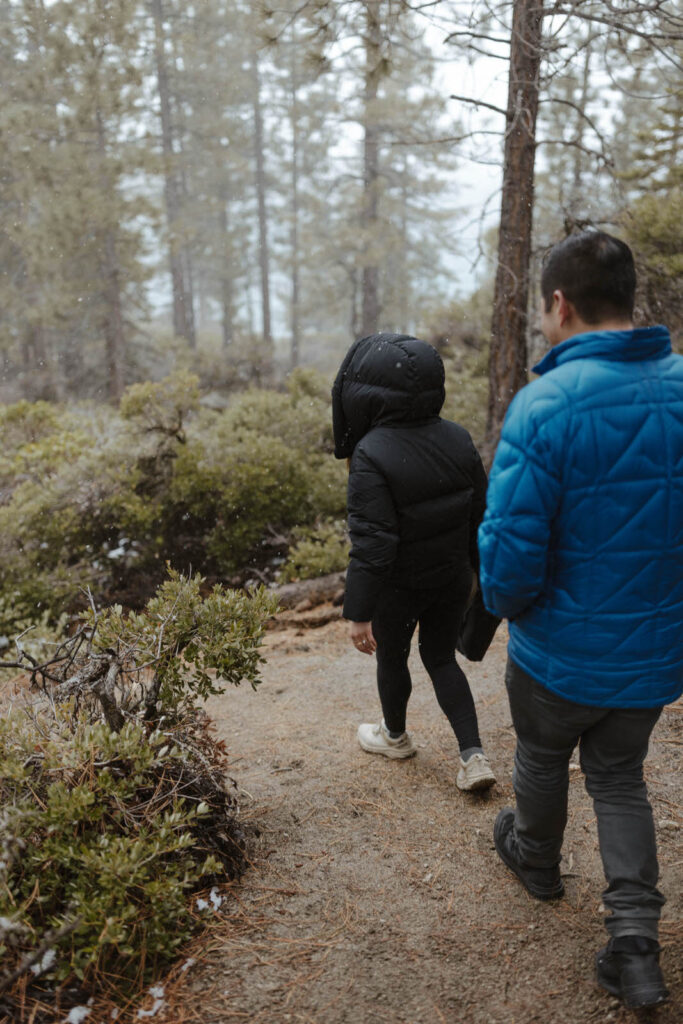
[[316, 551], [107, 831], [92, 498], [84, 853]]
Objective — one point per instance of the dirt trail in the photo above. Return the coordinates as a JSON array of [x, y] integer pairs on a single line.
[[376, 894]]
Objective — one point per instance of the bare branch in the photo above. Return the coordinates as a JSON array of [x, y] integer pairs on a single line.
[[477, 35], [479, 103], [576, 145]]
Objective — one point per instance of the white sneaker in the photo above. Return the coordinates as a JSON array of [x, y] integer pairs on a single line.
[[376, 740], [475, 773]]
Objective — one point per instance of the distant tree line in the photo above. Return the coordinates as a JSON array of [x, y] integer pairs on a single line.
[[292, 170], [218, 148]]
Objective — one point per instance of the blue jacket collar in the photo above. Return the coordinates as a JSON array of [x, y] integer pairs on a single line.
[[620, 346]]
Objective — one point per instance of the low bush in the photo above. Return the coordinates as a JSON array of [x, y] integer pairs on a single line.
[[316, 551], [90, 498], [114, 797], [99, 848], [461, 332]]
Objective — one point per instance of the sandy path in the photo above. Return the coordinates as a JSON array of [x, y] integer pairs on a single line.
[[376, 895]]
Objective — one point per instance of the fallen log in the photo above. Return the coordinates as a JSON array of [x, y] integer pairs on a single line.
[[310, 619], [306, 594]]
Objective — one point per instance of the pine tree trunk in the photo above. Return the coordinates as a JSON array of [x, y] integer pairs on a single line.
[[114, 332], [403, 297], [188, 295], [577, 194], [294, 355], [370, 312], [508, 359], [249, 297], [354, 317], [264, 256], [227, 297], [186, 251], [40, 375], [181, 318]]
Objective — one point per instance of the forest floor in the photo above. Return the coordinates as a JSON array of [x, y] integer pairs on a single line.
[[375, 895]]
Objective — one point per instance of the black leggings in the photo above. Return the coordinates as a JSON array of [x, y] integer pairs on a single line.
[[439, 613]]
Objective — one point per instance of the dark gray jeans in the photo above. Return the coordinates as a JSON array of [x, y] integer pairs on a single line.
[[613, 744]]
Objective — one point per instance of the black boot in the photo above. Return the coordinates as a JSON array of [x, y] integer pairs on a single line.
[[541, 883], [628, 967]]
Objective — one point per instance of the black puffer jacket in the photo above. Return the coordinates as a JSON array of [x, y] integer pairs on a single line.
[[417, 486]]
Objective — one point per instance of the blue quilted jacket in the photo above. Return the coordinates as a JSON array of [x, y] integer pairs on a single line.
[[581, 546]]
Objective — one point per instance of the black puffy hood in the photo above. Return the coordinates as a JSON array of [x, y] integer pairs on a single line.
[[385, 379]]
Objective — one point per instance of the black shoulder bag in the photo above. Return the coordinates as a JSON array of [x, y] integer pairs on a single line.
[[477, 629]]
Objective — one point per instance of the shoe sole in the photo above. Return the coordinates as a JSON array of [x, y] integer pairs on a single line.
[[634, 999], [533, 890], [485, 782], [392, 754]]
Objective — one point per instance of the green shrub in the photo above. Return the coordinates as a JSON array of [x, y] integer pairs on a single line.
[[184, 646], [75, 501], [230, 503], [107, 827], [653, 229], [467, 392], [299, 420], [34, 633], [96, 843], [161, 408], [316, 551], [461, 332], [103, 500]]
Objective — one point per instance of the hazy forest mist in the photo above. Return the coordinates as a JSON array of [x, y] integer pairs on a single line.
[[243, 187]]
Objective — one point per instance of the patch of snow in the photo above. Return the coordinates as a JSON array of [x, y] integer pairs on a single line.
[[158, 1003], [77, 1014], [45, 963]]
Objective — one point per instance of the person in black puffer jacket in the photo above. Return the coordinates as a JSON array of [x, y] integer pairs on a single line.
[[416, 496]]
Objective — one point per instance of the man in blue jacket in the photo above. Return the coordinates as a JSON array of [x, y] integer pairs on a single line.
[[581, 548]]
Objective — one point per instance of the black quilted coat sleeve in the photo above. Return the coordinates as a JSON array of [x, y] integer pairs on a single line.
[[373, 527]]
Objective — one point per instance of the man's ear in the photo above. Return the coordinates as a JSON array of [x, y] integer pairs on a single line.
[[565, 309]]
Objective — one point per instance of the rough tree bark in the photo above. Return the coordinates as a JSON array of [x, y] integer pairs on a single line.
[[508, 359], [370, 311]]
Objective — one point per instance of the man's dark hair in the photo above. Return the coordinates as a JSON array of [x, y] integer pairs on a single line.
[[595, 272]]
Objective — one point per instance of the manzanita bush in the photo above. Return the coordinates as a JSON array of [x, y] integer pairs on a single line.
[[115, 804]]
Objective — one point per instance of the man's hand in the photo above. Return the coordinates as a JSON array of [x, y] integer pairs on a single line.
[[362, 638]]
